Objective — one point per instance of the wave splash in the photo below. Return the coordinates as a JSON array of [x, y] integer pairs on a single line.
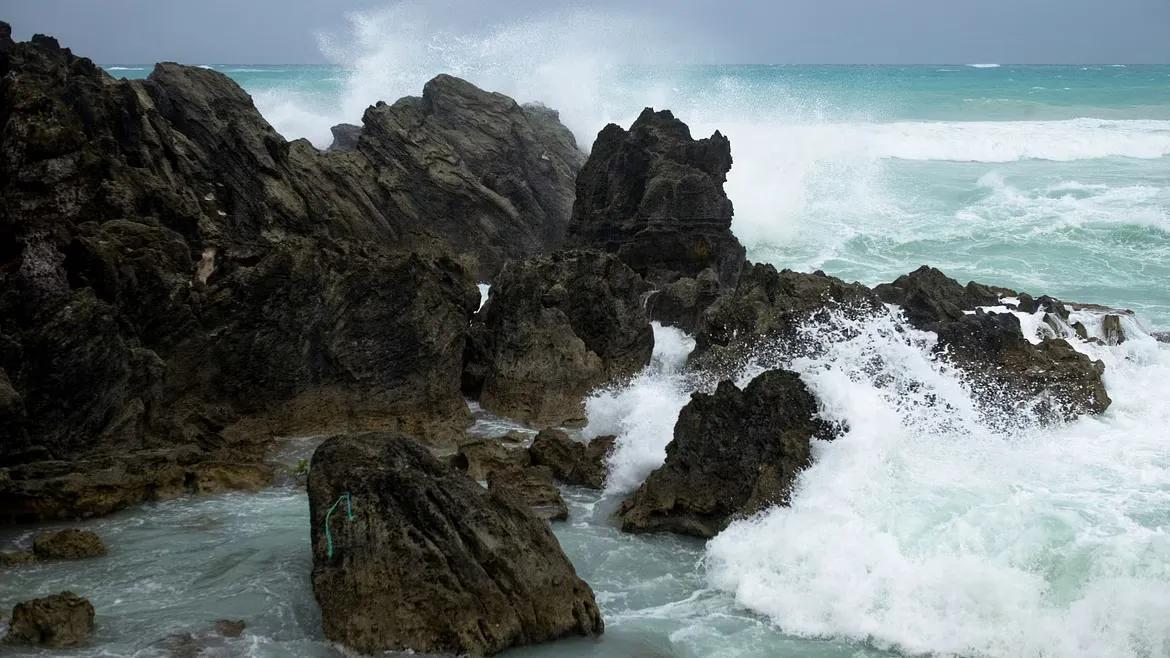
[[925, 530]]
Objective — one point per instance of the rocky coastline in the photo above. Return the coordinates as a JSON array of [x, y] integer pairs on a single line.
[[181, 289]]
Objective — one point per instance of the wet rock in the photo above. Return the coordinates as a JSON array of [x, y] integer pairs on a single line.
[[431, 561], [219, 476], [92, 486], [734, 453], [654, 196], [1161, 336], [558, 327], [230, 627], [682, 303], [16, 558], [534, 486], [928, 296], [1009, 372], [69, 544], [173, 272], [767, 306], [57, 621], [479, 459], [573, 462], [1111, 328]]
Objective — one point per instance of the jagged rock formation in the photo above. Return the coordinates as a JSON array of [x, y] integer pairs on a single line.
[[734, 453], [431, 561], [768, 306], [178, 283], [1007, 370], [57, 621], [654, 196], [573, 462], [682, 303], [556, 327]]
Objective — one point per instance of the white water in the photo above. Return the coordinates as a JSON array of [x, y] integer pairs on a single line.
[[924, 530], [642, 413]]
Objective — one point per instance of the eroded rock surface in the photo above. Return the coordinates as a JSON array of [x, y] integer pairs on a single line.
[[555, 328], [175, 273], [431, 561], [58, 621], [69, 544], [734, 453], [573, 462], [654, 196], [1007, 370]]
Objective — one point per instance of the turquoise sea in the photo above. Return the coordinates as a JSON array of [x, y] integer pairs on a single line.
[[923, 530]]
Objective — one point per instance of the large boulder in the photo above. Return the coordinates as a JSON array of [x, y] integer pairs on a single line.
[[58, 621], [429, 561], [768, 307], [654, 196], [68, 544], [681, 303], [555, 328], [174, 273], [734, 453], [573, 462]]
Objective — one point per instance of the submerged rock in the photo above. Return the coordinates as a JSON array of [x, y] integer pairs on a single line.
[[555, 328], [430, 561], [734, 453], [57, 621], [654, 196], [573, 462], [16, 558], [69, 544]]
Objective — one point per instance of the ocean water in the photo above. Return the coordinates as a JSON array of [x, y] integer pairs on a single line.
[[923, 530]]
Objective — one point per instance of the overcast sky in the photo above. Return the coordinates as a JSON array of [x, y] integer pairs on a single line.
[[724, 31]]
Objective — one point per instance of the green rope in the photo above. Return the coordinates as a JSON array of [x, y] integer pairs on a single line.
[[348, 513]]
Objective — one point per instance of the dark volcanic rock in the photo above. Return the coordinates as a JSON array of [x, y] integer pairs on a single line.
[[682, 303], [927, 296], [572, 462], [654, 196], [431, 561], [1005, 368], [767, 306], [69, 544], [532, 485], [1009, 372], [734, 453], [174, 273], [556, 328], [57, 621]]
